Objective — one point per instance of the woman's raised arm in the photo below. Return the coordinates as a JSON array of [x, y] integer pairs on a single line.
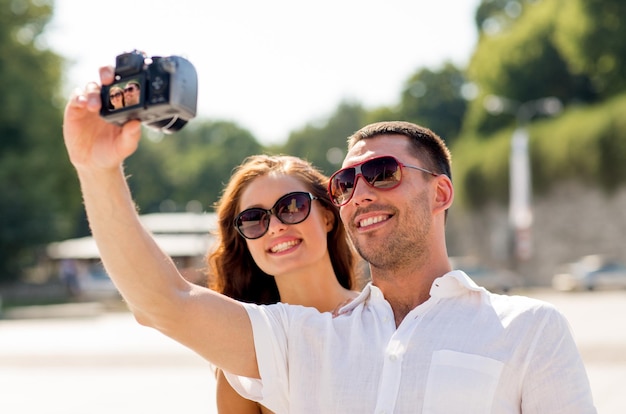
[[214, 326]]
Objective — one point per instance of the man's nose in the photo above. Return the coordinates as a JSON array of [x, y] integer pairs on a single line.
[[362, 191]]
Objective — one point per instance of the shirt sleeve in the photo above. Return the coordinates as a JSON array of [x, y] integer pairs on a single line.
[[270, 342], [555, 380]]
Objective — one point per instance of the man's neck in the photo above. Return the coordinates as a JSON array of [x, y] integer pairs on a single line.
[[406, 290]]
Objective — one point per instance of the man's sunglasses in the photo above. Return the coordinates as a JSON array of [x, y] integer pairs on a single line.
[[383, 173], [130, 89], [292, 208]]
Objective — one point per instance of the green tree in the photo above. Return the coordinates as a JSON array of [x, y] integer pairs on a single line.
[[435, 99], [497, 15], [592, 36], [37, 203], [325, 144], [522, 62], [192, 165]]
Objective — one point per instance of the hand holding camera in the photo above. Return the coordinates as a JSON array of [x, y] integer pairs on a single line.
[[162, 92]]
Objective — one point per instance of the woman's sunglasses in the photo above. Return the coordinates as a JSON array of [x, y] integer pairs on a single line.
[[116, 95], [383, 173], [292, 208]]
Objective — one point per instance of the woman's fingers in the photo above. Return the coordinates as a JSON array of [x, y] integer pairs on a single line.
[[129, 137], [94, 102], [78, 98], [107, 75]]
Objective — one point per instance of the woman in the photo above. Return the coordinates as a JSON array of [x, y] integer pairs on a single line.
[[280, 239], [116, 96]]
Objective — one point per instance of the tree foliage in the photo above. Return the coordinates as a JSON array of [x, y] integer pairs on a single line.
[[325, 145], [533, 49], [435, 98], [39, 196], [522, 62], [585, 144], [592, 36], [191, 166]]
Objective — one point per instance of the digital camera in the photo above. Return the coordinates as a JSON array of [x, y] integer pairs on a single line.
[[162, 92]]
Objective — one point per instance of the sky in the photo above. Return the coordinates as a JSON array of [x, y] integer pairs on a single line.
[[271, 66]]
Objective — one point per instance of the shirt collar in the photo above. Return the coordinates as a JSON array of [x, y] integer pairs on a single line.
[[454, 283]]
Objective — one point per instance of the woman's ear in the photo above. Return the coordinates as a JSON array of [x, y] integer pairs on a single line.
[[329, 220]]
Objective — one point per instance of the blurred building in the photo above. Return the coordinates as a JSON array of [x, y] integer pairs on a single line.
[[185, 237]]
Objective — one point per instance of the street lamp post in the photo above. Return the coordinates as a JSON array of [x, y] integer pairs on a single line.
[[520, 195], [520, 184]]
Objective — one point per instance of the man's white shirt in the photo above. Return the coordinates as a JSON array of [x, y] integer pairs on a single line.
[[465, 350]]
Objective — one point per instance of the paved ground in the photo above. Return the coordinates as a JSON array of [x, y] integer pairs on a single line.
[[106, 363], [97, 365]]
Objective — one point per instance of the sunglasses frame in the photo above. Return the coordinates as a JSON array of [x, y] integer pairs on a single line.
[[272, 212], [116, 95], [358, 172]]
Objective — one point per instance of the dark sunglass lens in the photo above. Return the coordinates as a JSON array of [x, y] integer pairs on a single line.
[[253, 223], [293, 208], [341, 185], [382, 172]]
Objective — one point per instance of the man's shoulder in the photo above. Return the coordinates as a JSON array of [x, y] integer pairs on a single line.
[[518, 301], [520, 307]]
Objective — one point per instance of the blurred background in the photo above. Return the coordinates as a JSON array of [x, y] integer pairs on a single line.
[[532, 106], [530, 96]]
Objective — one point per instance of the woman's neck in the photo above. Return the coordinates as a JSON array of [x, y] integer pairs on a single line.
[[318, 290]]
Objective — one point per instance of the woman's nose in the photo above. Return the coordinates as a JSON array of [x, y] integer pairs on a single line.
[[275, 225]]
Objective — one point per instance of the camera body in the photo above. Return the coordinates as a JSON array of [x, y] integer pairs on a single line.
[[162, 92]]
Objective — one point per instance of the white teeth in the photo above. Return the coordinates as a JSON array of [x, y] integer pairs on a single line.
[[284, 246], [372, 220]]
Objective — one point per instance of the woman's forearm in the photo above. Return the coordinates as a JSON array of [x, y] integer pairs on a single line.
[[146, 277]]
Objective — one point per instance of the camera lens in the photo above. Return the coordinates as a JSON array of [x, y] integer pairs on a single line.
[[169, 125]]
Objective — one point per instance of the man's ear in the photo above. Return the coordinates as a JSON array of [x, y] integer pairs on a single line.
[[444, 193]]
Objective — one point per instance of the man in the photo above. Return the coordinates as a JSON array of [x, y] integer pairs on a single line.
[[419, 338], [132, 93]]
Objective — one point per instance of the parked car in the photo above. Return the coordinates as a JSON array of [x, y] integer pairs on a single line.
[[589, 273], [497, 280]]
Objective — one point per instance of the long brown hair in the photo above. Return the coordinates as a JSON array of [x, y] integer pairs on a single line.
[[232, 270]]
